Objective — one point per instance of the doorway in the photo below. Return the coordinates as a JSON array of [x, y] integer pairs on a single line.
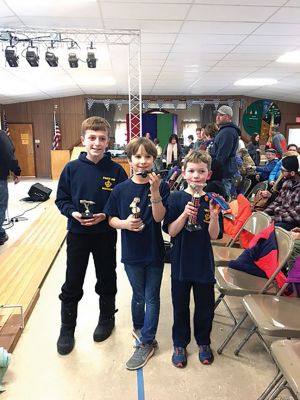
[[22, 137]]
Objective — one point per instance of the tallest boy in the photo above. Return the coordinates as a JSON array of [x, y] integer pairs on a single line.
[[91, 177]]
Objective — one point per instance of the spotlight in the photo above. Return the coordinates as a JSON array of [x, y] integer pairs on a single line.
[[32, 57], [51, 59], [73, 60], [11, 57], [91, 60]]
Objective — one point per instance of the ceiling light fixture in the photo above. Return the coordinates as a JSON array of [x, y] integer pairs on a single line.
[[11, 56], [51, 59], [91, 60], [255, 82], [32, 56], [292, 57], [73, 60]]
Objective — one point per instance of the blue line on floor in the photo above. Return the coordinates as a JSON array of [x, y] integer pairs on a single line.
[[140, 384]]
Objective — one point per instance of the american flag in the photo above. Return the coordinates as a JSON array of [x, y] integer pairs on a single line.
[[57, 135], [5, 123]]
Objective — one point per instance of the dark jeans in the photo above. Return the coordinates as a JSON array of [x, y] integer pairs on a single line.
[[103, 248], [3, 205], [204, 298], [145, 281]]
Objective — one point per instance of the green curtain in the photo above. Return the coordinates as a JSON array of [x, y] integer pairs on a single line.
[[164, 128]]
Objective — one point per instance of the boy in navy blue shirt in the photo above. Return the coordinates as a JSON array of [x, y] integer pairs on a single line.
[[91, 177], [137, 207], [192, 262]]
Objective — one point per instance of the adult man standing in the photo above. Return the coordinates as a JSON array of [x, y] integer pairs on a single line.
[[7, 163], [225, 145]]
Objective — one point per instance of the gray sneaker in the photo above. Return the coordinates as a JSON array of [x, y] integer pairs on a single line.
[[136, 333], [140, 356]]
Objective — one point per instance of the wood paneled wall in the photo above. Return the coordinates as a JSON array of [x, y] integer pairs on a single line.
[[70, 114]]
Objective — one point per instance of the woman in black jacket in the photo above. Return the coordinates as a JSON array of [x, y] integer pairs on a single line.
[[253, 148]]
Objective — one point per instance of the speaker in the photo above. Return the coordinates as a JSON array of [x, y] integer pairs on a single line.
[[38, 192]]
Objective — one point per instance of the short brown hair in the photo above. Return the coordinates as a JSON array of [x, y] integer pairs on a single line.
[[95, 124], [134, 145], [197, 156]]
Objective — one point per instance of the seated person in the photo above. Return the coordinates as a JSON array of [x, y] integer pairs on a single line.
[[262, 172], [276, 171], [286, 207]]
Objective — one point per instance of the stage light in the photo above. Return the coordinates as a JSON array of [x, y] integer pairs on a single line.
[[32, 56], [11, 56], [51, 59], [91, 60], [73, 60]]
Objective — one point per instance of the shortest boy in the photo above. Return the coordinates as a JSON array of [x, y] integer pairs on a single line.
[[192, 262], [91, 178]]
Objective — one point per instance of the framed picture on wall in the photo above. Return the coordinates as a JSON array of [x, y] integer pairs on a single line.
[[293, 133]]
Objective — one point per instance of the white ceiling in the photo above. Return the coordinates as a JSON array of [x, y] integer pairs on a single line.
[[197, 47]]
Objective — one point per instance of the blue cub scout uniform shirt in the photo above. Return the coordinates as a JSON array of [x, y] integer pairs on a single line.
[[82, 179], [191, 254], [146, 246]]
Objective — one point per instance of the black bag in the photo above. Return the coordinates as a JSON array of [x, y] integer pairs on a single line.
[[168, 247]]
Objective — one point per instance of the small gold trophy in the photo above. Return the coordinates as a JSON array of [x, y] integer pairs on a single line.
[[87, 214], [192, 224], [135, 210]]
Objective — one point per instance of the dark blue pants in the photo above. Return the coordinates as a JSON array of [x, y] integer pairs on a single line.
[[204, 298], [79, 247]]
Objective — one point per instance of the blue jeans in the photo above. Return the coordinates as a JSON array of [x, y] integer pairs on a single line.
[[227, 182], [3, 205], [145, 281]]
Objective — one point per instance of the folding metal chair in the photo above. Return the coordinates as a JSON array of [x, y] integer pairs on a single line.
[[286, 354], [232, 282], [259, 186], [254, 224]]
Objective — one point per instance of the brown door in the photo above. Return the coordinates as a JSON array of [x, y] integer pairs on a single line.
[[22, 137]]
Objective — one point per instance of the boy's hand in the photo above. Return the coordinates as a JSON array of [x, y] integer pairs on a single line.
[[214, 208], [134, 224], [190, 210], [97, 218], [154, 181]]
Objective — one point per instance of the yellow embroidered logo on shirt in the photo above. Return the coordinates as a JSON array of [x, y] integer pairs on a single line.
[[108, 183]]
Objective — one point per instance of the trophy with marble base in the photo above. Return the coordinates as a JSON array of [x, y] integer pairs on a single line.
[[135, 210], [192, 224], [87, 214]]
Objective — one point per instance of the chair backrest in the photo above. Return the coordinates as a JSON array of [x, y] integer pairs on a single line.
[[259, 186], [285, 245], [244, 185], [257, 221]]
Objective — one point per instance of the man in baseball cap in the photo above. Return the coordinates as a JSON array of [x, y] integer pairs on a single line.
[[225, 110], [225, 146]]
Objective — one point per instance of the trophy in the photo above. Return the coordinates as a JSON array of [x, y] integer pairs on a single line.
[[87, 214], [191, 224], [135, 210]]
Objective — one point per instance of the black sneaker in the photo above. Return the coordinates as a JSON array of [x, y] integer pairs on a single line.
[[4, 239], [104, 329]]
